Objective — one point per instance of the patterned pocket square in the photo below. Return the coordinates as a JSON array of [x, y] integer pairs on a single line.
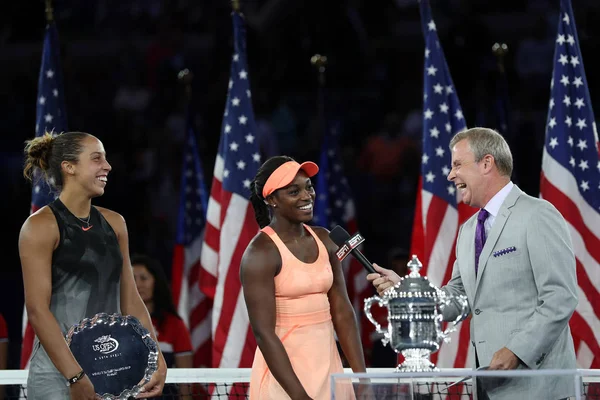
[[505, 251]]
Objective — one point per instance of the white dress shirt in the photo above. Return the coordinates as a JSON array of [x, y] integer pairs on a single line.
[[493, 206]]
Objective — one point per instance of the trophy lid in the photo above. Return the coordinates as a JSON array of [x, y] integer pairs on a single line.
[[413, 285]]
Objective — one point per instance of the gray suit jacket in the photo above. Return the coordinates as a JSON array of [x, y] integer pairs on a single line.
[[523, 295]]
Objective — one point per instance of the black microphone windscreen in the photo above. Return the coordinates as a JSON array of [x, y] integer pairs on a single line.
[[339, 235]]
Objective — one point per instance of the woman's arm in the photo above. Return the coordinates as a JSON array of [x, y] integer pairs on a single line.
[[342, 313], [132, 304], [38, 238], [257, 273]]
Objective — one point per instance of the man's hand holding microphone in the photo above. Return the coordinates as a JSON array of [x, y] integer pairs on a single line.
[[383, 279]]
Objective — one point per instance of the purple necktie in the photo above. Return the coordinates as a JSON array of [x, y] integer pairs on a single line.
[[480, 235]]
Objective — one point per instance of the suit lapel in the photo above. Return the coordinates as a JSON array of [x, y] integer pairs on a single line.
[[496, 230], [468, 273]]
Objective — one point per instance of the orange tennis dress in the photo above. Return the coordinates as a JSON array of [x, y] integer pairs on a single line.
[[304, 326]]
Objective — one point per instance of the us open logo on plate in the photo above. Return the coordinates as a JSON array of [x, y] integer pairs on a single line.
[[106, 344]]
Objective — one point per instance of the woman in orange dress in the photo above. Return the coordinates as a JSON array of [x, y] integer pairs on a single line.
[[295, 291]]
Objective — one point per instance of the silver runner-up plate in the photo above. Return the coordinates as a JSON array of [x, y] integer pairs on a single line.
[[116, 352]]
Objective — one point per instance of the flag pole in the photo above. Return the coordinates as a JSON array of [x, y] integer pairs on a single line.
[[320, 63], [500, 50], [185, 77], [179, 289], [49, 12]]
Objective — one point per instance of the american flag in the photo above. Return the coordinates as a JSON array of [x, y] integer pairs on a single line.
[[192, 305], [438, 211], [335, 206], [570, 179], [51, 117], [230, 217]]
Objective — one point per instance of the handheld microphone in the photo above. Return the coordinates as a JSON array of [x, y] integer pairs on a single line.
[[348, 244]]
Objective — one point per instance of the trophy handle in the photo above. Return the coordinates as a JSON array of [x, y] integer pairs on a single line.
[[462, 300], [368, 303]]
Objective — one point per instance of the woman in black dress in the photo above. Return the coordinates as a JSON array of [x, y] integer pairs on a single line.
[[75, 262]]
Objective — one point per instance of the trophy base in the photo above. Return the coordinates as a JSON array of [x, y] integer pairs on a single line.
[[416, 360]]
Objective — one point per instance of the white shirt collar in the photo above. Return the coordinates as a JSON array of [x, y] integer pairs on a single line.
[[493, 206]]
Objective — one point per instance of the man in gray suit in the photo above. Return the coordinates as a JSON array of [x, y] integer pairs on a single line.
[[515, 264]]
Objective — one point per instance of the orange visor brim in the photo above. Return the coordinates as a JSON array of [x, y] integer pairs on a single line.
[[285, 174]]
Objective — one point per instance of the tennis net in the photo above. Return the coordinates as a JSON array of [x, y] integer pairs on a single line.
[[233, 383]]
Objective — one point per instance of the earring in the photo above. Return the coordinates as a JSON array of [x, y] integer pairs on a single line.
[[273, 205]]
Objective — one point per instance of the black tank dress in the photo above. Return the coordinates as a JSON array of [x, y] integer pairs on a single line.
[[86, 275]]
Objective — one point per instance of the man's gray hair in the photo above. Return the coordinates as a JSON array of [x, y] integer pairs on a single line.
[[484, 141]]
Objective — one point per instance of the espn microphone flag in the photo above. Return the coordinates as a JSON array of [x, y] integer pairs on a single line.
[[349, 244], [230, 217], [193, 306], [570, 179], [50, 117], [438, 212]]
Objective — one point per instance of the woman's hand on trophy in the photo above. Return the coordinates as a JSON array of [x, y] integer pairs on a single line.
[[157, 382], [384, 279], [83, 389]]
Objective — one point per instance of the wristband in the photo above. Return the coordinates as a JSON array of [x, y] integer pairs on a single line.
[[76, 378]]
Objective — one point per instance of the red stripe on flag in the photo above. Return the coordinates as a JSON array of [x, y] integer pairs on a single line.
[[588, 288], [224, 200], [211, 237], [208, 283]]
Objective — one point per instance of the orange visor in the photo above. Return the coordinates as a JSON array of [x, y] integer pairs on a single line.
[[286, 173]]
